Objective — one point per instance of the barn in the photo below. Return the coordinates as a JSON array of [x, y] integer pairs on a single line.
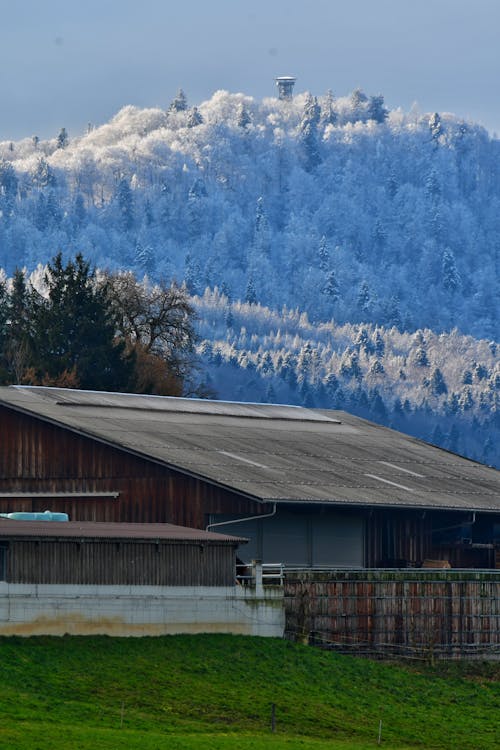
[[313, 489], [122, 554], [127, 579]]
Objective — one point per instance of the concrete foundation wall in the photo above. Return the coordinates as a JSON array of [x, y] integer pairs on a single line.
[[52, 609]]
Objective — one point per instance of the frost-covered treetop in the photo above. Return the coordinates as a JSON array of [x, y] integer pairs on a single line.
[[132, 126], [331, 204]]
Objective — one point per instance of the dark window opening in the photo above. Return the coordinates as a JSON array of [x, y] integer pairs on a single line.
[[3, 562]]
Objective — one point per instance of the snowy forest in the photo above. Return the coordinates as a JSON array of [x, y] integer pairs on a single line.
[[338, 254]]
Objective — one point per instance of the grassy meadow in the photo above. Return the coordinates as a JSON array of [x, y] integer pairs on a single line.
[[216, 692]]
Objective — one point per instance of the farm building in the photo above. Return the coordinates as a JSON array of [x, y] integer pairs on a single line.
[[309, 488], [126, 579], [129, 554]]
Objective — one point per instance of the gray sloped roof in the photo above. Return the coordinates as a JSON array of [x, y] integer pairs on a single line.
[[104, 530], [272, 452]]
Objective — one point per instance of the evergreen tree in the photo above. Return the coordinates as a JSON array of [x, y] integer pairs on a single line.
[[53, 210], [420, 356], [179, 103], [435, 127], [243, 117], [225, 291], [266, 365], [377, 368], [450, 275], [379, 237], [74, 330], [437, 437], [466, 399], [452, 405], [331, 287], [328, 112], [43, 175], [62, 138], [453, 439], [41, 217], [349, 364], [125, 205], [145, 258], [481, 372], [379, 344], [261, 232], [392, 185], [304, 362], [250, 293], [309, 133], [270, 397], [467, 378], [433, 186], [8, 182], [359, 105], [397, 409], [331, 384], [79, 212], [192, 274], [194, 118], [363, 341], [376, 109], [323, 254], [377, 406], [393, 314], [437, 383], [488, 448], [364, 301]]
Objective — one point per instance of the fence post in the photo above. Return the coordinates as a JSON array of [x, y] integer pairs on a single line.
[[257, 576]]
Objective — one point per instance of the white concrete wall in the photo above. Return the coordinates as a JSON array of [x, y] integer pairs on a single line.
[[46, 609]]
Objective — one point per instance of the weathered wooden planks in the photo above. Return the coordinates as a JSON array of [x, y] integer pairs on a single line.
[[413, 613]]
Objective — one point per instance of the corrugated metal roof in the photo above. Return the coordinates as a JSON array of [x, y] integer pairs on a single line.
[[277, 453], [91, 530]]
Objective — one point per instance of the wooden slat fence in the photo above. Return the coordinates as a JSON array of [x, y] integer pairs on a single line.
[[421, 614]]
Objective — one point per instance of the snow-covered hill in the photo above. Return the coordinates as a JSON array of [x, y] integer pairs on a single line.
[[442, 388], [387, 223], [334, 206]]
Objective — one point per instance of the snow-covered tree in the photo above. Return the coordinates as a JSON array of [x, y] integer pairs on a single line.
[[179, 102]]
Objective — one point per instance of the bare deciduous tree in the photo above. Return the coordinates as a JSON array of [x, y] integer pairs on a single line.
[[156, 322]]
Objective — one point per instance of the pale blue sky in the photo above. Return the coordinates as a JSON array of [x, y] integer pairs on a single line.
[[67, 63]]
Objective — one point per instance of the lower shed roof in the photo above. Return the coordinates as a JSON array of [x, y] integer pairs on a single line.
[[165, 532], [272, 453]]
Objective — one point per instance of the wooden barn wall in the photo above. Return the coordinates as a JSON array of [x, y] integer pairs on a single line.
[[36, 456], [120, 563], [422, 614], [396, 538], [400, 539]]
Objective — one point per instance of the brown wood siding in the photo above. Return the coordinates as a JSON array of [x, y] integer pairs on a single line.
[[120, 563], [36, 456], [397, 538], [411, 613]]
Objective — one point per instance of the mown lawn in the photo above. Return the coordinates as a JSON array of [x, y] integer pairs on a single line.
[[216, 691]]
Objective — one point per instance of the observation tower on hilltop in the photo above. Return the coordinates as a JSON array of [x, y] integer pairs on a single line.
[[285, 86]]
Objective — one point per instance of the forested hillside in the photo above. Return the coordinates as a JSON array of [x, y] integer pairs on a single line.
[[332, 205], [443, 388], [379, 230]]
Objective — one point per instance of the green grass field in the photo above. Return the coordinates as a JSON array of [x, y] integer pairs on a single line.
[[216, 691]]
